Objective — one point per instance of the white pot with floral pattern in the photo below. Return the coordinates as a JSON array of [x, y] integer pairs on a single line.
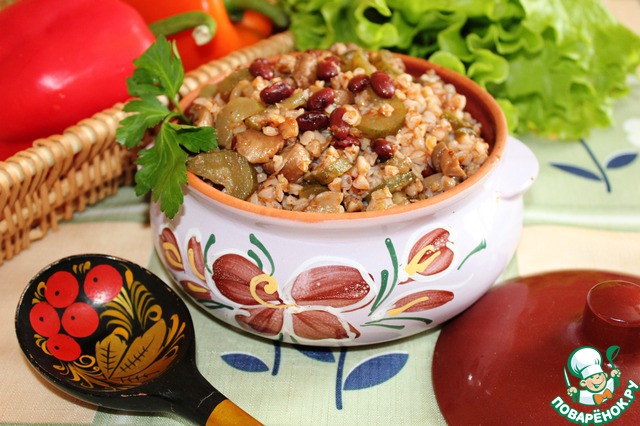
[[331, 279], [340, 279]]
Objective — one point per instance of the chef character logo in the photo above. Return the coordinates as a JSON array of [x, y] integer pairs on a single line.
[[598, 391], [596, 386]]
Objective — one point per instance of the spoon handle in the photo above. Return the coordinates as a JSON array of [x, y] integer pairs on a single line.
[[226, 413], [194, 397]]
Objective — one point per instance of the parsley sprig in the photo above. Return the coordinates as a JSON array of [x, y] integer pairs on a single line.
[[163, 171]]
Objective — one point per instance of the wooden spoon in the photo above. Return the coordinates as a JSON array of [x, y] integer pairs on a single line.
[[111, 333]]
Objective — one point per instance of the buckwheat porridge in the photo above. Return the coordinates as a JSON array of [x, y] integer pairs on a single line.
[[337, 130]]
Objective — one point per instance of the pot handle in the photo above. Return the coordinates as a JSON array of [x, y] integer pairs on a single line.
[[519, 169]]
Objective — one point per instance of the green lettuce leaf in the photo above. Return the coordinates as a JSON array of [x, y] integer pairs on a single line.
[[556, 67]]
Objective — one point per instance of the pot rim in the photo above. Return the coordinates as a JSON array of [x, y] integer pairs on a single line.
[[477, 97]]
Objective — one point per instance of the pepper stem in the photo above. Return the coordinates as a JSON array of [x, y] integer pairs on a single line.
[[204, 26], [266, 8]]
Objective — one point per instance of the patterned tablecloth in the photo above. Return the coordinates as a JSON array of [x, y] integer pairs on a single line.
[[582, 212]]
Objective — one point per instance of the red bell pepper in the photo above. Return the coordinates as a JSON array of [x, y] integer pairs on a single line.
[[62, 62], [229, 35]]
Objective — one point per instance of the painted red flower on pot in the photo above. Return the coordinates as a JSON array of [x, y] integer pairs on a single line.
[[310, 307], [420, 301], [170, 250], [430, 255]]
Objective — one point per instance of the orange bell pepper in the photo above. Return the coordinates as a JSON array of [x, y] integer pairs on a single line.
[[257, 15], [229, 35], [256, 22]]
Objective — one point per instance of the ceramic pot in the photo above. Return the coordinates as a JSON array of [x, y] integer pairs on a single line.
[[331, 279]]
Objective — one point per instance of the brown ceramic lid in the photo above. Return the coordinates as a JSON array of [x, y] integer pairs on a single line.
[[511, 357]]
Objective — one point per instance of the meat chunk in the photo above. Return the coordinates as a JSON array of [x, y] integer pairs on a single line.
[[326, 202], [257, 147], [296, 162], [444, 160], [304, 72]]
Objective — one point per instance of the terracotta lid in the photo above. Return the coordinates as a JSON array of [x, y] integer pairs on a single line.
[[513, 356]]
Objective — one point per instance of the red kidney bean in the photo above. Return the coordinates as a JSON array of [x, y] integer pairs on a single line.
[[382, 84], [358, 83], [261, 67], [277, 92], [427, 171], [343, 143], [321, 99], [337, 126], [383, 148], [327, 68], [312, 120]]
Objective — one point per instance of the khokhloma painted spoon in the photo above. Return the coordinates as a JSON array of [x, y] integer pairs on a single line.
[[112, 333]]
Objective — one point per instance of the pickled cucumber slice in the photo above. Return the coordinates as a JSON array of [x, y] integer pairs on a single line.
[[325, 175], [311, 190], [297, 100], [395, 183], [232, 115], [227, 169], [360, 59], [376, 126], [402, 164], [229, 82], [385, 61]]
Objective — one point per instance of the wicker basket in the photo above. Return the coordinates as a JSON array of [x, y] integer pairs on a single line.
[[63, 174]]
